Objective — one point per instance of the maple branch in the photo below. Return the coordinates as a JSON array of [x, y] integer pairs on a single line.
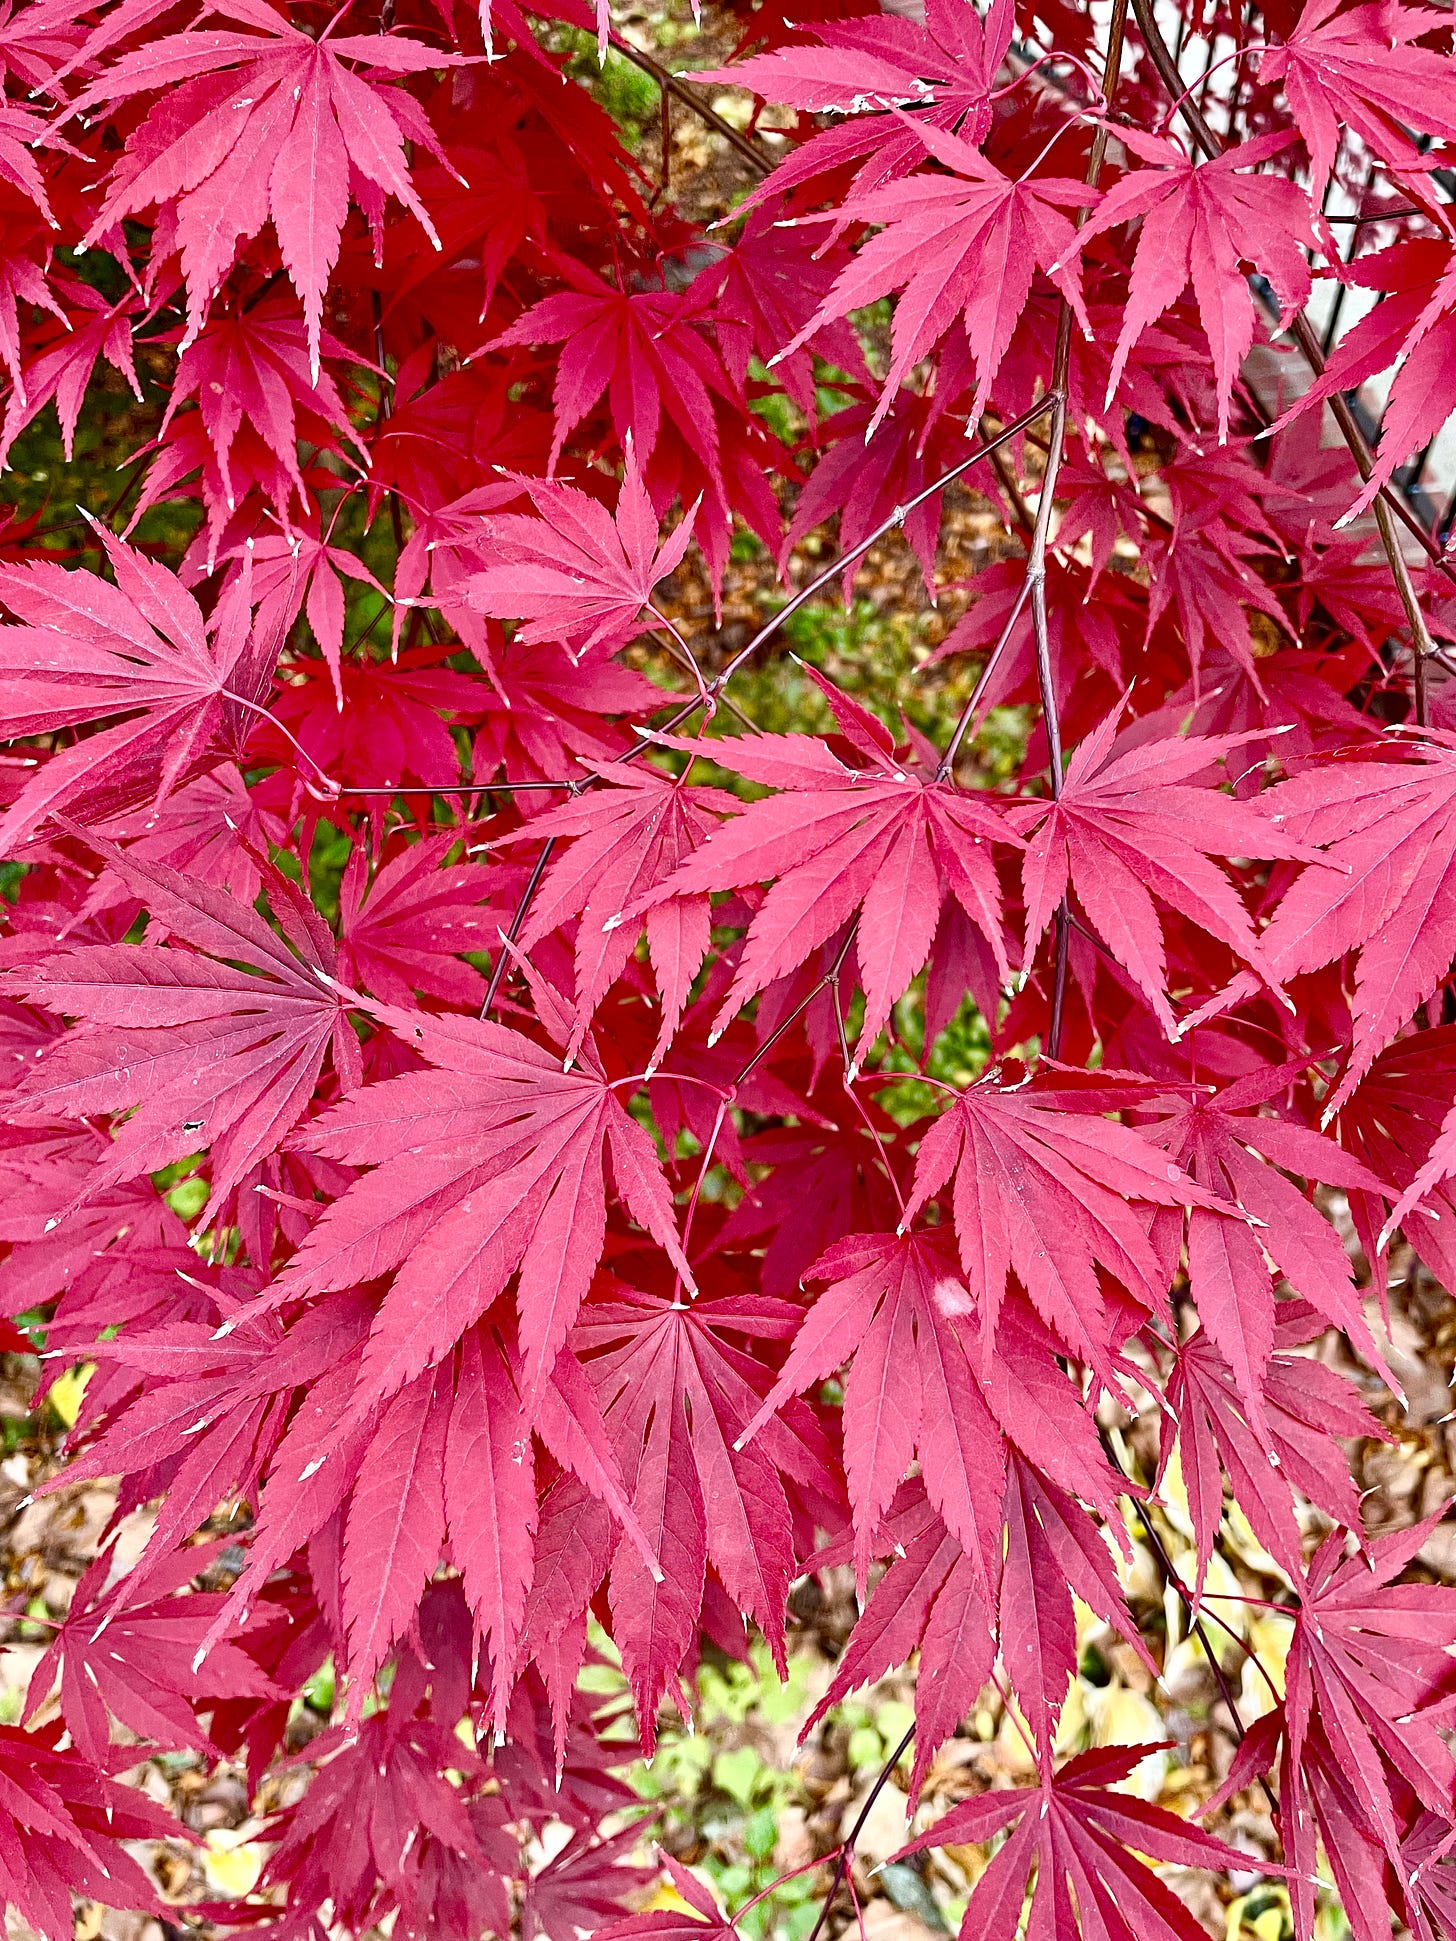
[[846, 1851], [1171, 1576], [847, 558], [967, 714], [1304, 335], [799, 1009], [528, 894], [690, 98]]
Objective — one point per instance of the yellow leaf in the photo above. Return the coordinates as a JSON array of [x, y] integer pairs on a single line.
[[67, 1392], [232, 1863]]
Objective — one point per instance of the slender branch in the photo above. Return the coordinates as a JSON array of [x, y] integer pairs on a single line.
[[846, 1852], [690, 98], [712, 689], [968, 712], [1171, 1576], [528, 896]]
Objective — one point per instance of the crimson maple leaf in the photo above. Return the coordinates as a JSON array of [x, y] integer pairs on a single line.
[[965, 243], [875, 462], [676, 1393], [491, 1163], [22, 282], [1357, 72], [268, 123], [897, 1308], [409, 930], [1212, 1425], [706, 1921], [644, 349], [1200, 221], [575, 573], [1392, 1121], [249, 367], [1132, 822], [880, 838], [132, 1658], [141, 650], [300, 572], [946, 69], [1082, 1838], [211, 1055], [1046, 1187], [1414, 329], [63, 1822], [935, 1596], [1380, 883], [1229, 1146], [93, 331], [1367, 1655], [627, 839]]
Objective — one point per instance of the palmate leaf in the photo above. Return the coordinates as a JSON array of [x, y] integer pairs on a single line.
[[137, 655], [490, 1163], [212, 1055], [1135, 819], [574, 572], [1045, 1187], [1081, 1839], [886, 838], [257, 125], [1199, 224], [965, 243]]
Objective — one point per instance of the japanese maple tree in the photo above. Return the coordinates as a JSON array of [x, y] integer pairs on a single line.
[[654, 1121]]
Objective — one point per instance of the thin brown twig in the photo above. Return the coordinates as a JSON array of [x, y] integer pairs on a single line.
[[690, 98], [846, 1852]]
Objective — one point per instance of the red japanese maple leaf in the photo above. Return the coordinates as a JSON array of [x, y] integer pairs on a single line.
[[1132, 822], [1392, 1121], [644, 350], [490, 1163], [211, 1055], [140, 650], [1082, 1838], [63, 1822], [677, 1392], [93, 331], [1046, 1187], [249, 366], [132, 1659], [268, 123], [897, 1308], [1229, 1146], [1358, 71], [1211, 1423], [575, 573], [964, 243], [1367, 1655], [626, 839], [880, 838], [705, 1922], [1199, 222], [1414, 329], [935, 1596], [945, 69], [1385, 837], [417, 918]]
